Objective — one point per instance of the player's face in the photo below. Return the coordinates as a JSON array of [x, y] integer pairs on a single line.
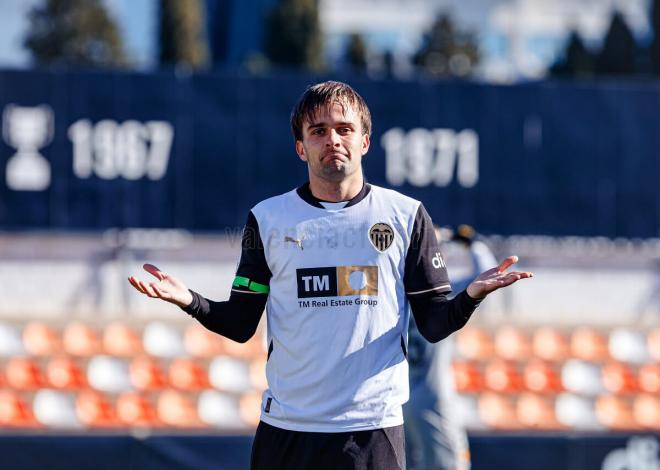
[[333, 144]]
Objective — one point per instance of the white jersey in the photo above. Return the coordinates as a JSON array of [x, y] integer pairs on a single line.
[[337, 308]]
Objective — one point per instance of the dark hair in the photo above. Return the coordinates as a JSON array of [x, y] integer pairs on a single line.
[[322, 94]]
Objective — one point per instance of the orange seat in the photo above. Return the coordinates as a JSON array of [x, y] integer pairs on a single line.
[[24, 373], [187, 374], [467, 377], [200, 342], [253, 348], [502, 376], [65, 373], [249, 406], [498, 411], [646, 411], [549, 344], [178, 410], [15, 411], [618, 378], [121, 340], [95, 410], [589, 345], [134, 409], [474, 343], [537, 412], [615, 413], [653, 343], [40, 339], [258, 373], [146, 373], [649, 378], [79, 339], [512, 343], [542, 377]]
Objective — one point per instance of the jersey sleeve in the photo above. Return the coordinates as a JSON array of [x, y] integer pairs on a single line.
[[425, 272], [252, 274]]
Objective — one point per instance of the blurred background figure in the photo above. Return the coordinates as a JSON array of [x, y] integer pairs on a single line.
[[435, 435]]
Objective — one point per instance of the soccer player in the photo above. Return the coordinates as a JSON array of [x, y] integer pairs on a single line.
[[338, 264]]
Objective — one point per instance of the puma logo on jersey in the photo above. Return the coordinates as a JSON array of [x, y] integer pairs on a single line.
[[298, 242]]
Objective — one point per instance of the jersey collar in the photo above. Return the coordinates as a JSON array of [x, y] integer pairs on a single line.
[[306, 195]]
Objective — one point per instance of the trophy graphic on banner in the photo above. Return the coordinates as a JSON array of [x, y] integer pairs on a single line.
[[27, 129]]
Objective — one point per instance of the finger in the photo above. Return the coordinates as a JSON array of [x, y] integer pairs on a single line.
[[148, 290], [136, 285], [159, 292], [504, 265], [151, 269]]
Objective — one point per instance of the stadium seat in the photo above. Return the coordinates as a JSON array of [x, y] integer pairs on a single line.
[[615, 413], [188, 374], [230, 374], [121, 340], [503, 376], [653, 343], [137, 410], [474, 344], [258, 373], [646, 411], [589, 345], [15, 412], [40, 339], [178, 410], [220, 410], [79, 339], [200, 342], [24, 373], [56, 409], [468, 377], [576, 412], [498, 411], [147, 373], [512, 343], [549, 344], [466, 409], [11, 343], [649, 378], [618, 378], [252, 349], [249, 406], [542, 377], [163, 340], [95, 410], [628, 345], [65, 373], [537, 412], [582, 377], [109, 374]]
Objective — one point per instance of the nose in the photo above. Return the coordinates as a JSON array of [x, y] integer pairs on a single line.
[[333, 139]]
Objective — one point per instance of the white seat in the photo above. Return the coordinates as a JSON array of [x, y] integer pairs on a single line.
[[582, 377], [109, 374], [163, 340], [629, 346], [230, 374], [576, 412], [11, 342], [56, 409], [219, 410]]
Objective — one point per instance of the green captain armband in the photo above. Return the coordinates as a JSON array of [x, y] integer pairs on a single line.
[[251, 285]]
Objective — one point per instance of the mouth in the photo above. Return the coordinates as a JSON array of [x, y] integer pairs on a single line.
[[334, 157]]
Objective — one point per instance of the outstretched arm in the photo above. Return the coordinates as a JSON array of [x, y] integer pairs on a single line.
[[167, 287], [496, 278]]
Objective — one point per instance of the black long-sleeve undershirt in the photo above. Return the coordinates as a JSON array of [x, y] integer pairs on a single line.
[[237, 318]]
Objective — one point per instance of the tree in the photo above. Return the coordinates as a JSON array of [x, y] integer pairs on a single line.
[[356, 53], [182, 39], [74, 33], [655, 44], [577, 59], [446, 51], [293, 35], [617, 57]]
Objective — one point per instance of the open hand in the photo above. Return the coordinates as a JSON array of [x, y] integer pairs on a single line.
[[495, 278], [167, 288]]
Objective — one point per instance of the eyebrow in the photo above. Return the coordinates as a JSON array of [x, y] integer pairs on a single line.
[[324, 124]]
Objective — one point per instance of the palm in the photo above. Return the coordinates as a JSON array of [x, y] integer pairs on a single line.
[[167, 288], [496, 278]]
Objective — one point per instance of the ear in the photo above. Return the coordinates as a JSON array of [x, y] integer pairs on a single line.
[[365, 143], [300, 150]]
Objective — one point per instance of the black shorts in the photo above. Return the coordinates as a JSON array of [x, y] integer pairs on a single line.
[[279, 449]]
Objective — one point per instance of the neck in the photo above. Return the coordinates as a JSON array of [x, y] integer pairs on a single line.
[[332, 191]]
